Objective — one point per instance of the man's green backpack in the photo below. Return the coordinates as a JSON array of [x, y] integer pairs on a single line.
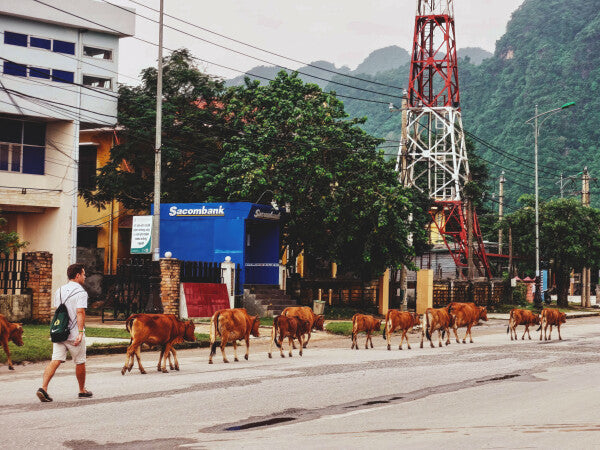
[[59, 327]]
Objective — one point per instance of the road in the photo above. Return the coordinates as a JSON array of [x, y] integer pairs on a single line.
[[491, 394]]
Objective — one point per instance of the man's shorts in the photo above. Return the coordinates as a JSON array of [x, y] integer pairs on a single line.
[[59, 351]]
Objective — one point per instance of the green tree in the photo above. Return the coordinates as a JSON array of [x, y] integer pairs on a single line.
[[569, 237], [10, 240], [296, 143], [192, 134]]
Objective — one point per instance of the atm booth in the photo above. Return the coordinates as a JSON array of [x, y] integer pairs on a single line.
[[247, 232]]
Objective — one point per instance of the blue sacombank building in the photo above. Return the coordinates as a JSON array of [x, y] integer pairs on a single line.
[[247, 232]]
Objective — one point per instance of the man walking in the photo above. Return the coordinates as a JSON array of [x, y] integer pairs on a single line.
[[75, 299]]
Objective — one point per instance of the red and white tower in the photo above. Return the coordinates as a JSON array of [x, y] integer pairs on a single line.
[[433, 156]]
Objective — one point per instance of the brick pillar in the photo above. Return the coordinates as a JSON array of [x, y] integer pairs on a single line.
[[39, 267], [170, 269]]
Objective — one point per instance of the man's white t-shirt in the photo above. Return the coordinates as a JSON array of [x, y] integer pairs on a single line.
[[73, 296]]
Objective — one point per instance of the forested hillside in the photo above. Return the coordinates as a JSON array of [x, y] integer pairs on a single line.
[[550, 55]]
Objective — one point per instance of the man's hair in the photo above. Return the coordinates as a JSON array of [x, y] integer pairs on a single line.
[[74, 269]]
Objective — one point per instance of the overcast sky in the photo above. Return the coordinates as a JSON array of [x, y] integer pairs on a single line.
[[340, 31]]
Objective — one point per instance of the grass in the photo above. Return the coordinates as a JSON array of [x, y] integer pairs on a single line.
[[342, 328], [38, 347]]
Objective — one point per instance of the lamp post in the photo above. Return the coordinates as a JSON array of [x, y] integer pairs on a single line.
[[536, 131]]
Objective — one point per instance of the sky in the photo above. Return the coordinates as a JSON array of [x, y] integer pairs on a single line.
[[343, 32]]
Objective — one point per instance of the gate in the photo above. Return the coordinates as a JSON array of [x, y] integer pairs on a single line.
[[134, 289], [13, 274]]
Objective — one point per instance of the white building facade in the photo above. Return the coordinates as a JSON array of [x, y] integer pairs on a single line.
[[58, 74]]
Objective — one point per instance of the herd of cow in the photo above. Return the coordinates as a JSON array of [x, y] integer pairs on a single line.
[[296, 323]]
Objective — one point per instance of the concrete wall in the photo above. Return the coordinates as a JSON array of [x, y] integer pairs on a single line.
[[16, 308]]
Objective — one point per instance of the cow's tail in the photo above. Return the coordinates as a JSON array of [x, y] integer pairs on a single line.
[[541, 321], [510, 320], [128, 324], [427, 333], [214, 331], [354, 326], [385, 324], [274, 330]]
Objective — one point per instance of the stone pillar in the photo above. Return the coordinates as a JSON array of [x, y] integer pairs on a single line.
[[424, 290], [228, 277], [170, 271], [383, 302], [39, 267]]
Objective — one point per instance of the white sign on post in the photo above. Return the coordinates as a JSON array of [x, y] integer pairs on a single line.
[[141, 234]]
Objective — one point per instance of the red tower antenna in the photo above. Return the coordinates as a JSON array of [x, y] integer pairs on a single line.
[[433, 156]]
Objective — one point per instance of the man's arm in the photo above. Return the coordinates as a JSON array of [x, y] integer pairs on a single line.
[[80, 325]]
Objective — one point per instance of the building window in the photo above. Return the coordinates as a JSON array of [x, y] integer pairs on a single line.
[[38, 72], [11, 68], [63, 47], [87, 167], [37, 42], [62, 76], [22, 146], [97, 53], [87, 237], [98, 82], [15, 39]]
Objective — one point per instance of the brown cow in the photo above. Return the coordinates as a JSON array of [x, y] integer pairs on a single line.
[[232, 325], [366, 323], [290, 327], [466, 315], [436, 319], [402, 320], [10, 332], [156, 329], [521, 317], [551, 317], [305, 313]]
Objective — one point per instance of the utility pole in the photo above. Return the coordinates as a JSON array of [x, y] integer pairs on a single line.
[[501, 211], [405, 182], [158, 143], [586, 273], [470, 230]]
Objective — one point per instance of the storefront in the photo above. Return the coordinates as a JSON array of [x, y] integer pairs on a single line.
[[247, 232]]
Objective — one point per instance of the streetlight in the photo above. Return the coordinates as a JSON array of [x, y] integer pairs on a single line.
[[536, 131]]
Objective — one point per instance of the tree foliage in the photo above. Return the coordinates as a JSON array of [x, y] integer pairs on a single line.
[[10, 241], [193, 129], [569, 237], [296, 143]]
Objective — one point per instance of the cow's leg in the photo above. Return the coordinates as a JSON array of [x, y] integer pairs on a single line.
[[175, 359], [167, 352], [291, 341], [235, 358], [301, 340], [224, 340], [525, 331], [390, 330], [559, 336], [248, 347], [354, 341], [550, 333], [138, 355], [128, 357], [162, 353], [307, 339], [469, 334], [455, 329], [440, 337], [406, 337], [448, 334], [402, 334], [272, 341], [541, 328], [367, 341], [7, 351]]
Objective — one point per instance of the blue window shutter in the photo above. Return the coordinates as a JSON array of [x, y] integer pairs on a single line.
[[40, 43], [15, 38], [62, 76], [33, 159], [11, 68], [63, 47], [38, 72]]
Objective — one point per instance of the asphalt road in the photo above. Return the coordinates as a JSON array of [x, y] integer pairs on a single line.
[[491, 394]]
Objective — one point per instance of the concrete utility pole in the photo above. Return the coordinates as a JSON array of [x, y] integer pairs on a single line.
[[585, 273], [501, 211], [405, 182], [158, 143]]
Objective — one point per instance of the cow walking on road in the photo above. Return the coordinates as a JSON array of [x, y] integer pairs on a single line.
[[232, 325], [290, 327], [156, 329], [521, 317], [436, 319], [366, 323], [10, 332], [551, 317], [466, 315], [307, 314], [401, 320]]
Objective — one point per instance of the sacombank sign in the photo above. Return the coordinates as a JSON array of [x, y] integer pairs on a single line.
[[174, 211]]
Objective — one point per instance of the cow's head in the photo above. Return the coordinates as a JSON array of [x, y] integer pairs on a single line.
[[16, 333], [562, 318], [318, 323], [416, 318], [536, 319], [255, 324], [188, 332], [483, 313]]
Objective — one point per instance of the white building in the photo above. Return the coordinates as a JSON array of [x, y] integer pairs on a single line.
[[58, 74]]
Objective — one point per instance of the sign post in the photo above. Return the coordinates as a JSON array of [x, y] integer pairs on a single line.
[[141, 235]]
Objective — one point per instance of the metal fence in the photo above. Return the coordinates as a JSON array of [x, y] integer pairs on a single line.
[[342, 292], [482, 293], [206, 272], [13, 273]]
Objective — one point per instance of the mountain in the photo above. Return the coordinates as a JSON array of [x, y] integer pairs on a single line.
[[386, 58], [549, 55], [476, 55]]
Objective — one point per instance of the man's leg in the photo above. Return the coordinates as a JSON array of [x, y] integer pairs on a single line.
[[49, 373], [80, 374]]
